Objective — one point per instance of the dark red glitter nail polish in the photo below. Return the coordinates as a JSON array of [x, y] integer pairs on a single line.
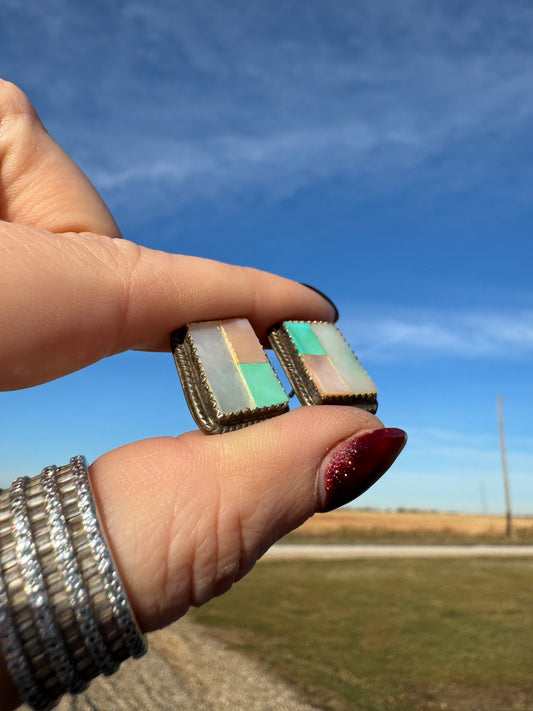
[[354, 465]]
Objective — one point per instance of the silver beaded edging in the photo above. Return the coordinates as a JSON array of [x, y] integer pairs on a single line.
[[78, 596], [123, 614], [35, 587]]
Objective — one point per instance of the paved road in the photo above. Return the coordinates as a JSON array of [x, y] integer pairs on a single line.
[[290, 551]]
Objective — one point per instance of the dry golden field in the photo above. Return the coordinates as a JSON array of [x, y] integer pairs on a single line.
[[368, 525]]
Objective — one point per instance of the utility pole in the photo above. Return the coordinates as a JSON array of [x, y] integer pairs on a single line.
[[505, 470]]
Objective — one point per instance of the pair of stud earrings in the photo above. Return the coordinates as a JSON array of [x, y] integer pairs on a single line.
[[229, 382]]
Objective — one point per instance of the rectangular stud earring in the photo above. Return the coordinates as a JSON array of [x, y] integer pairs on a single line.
[[321, 366], [226, 376]]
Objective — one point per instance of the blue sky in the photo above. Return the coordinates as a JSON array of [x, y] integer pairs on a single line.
[[380, 151]]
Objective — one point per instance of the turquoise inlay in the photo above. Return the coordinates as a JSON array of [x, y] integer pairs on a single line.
[[343, 359], [263, 384], [304, 338], [223, 375]]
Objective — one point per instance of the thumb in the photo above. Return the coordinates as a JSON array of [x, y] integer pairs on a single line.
[[187, 517]]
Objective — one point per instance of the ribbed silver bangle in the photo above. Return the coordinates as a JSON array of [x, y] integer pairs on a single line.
[[21, 655], [17, 663], [72, 577], [64, 613], [133, 639], [35, 588]]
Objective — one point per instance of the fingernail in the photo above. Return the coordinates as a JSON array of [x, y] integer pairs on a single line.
[[357, 463], [317, 291]]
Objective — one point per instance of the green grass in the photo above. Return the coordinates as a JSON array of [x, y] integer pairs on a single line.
[[389, 635]]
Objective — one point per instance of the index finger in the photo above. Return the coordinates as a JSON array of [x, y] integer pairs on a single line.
[[85, 297]]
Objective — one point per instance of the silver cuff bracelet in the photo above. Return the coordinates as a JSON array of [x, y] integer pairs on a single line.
[[64, 614]]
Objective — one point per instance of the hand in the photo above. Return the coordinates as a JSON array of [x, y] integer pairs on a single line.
[[185, 517]]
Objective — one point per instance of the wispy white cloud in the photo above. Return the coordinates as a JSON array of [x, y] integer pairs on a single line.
[[180, 97], [477, 334]]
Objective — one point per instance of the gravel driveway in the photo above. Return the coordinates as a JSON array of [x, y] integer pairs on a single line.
[[185, 670]]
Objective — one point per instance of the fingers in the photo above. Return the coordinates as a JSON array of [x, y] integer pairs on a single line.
[[39, 184], [83, 297], [187, 517]]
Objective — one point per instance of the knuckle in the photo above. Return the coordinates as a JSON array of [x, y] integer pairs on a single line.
[[20, 132], [14, 102]]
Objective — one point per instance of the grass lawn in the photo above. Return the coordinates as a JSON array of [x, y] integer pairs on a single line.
[[389, 635]]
